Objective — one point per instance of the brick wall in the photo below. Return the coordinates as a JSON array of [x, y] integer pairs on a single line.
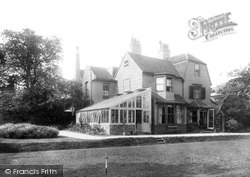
[[118, 129], [164, 129]]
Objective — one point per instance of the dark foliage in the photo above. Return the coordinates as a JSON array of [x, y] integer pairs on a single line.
[[27, 131], [86, 128], [39, 94]]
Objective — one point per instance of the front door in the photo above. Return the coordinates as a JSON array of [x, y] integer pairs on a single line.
[[203, 119], [138, 121], [210, 121], [146, 122]]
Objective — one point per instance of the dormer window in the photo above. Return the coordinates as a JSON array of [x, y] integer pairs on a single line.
[[196, 69]]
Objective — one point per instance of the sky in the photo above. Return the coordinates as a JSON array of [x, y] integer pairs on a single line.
[[102, 29]]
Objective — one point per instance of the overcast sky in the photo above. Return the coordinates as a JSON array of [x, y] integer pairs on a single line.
[[103, 29]]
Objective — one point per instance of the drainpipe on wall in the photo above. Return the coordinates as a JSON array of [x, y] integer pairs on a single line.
[[182, 88], [90, 86]]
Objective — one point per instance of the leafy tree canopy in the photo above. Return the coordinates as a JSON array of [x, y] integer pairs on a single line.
[[237, 104], [239, 84], [30, 59]]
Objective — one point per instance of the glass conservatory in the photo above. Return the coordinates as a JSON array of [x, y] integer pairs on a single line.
[[129, 113]]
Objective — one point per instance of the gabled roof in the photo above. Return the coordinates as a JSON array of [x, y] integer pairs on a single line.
[[185, 57], [102, 74], [114, 71], [177, 99], [154, 65]]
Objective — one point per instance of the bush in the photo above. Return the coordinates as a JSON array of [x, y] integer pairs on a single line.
[[233, 126], [86, 128], [27, 131]]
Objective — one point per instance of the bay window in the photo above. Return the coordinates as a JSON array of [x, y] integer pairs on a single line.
[[159, 84]]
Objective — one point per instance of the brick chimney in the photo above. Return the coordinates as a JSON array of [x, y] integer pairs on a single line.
[[164, 52], [135, 46]]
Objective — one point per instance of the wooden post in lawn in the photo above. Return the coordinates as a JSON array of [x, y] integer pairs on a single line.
[[106, 164]]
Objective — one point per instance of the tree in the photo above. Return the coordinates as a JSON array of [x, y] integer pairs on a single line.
[[237, 104], [239, 84], [31, 59]]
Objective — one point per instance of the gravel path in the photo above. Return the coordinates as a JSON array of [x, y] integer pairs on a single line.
[[218, 158]]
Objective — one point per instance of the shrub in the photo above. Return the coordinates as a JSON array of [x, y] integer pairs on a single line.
[[233, 126], [86, 128], [27, 131]]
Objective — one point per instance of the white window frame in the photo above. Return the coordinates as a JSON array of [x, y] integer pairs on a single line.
[[163, 84], [208, 119], [197, 70]]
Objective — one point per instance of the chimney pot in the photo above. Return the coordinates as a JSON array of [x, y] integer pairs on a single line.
[[164, 52], [135, 46]]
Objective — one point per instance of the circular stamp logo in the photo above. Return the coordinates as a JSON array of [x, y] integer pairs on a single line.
[[7, 171]]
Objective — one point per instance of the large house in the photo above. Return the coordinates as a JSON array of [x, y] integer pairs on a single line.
[[150, 95]]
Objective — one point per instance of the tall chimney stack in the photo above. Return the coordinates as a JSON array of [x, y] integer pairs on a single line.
[[77, 66], [164, 52], [135, 46]]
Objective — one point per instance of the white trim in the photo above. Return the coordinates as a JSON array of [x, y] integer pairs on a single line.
[[208, 119]]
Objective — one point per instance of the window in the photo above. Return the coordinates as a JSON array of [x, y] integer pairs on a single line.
[[197, 92], [163, 115], [179, 114], [171, 115], [104, 116], [193, 116], [86, 88], [114, 116], [131, 116], [131, 103], [138, 102], [123, 116], [146, 116], [105, 90], [159, 84], [123, 105], [125, 63], [146, 100], [210, 119], [169, 85], [196, 69], [203, 117]]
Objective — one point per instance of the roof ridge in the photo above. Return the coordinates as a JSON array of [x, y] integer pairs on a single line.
[[150, 57]]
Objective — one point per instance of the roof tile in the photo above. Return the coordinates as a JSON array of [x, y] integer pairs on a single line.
[[177, 99], [184, 57], [102, 74], [154, 65]]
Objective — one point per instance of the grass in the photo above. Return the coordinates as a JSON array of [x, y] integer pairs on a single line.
[[212, 158], [60, 143]]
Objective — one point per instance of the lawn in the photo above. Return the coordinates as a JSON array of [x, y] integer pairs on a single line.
[[60, 143], [214, 158]]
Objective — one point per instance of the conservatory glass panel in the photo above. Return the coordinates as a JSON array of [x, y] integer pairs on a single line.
[[114, 116]]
